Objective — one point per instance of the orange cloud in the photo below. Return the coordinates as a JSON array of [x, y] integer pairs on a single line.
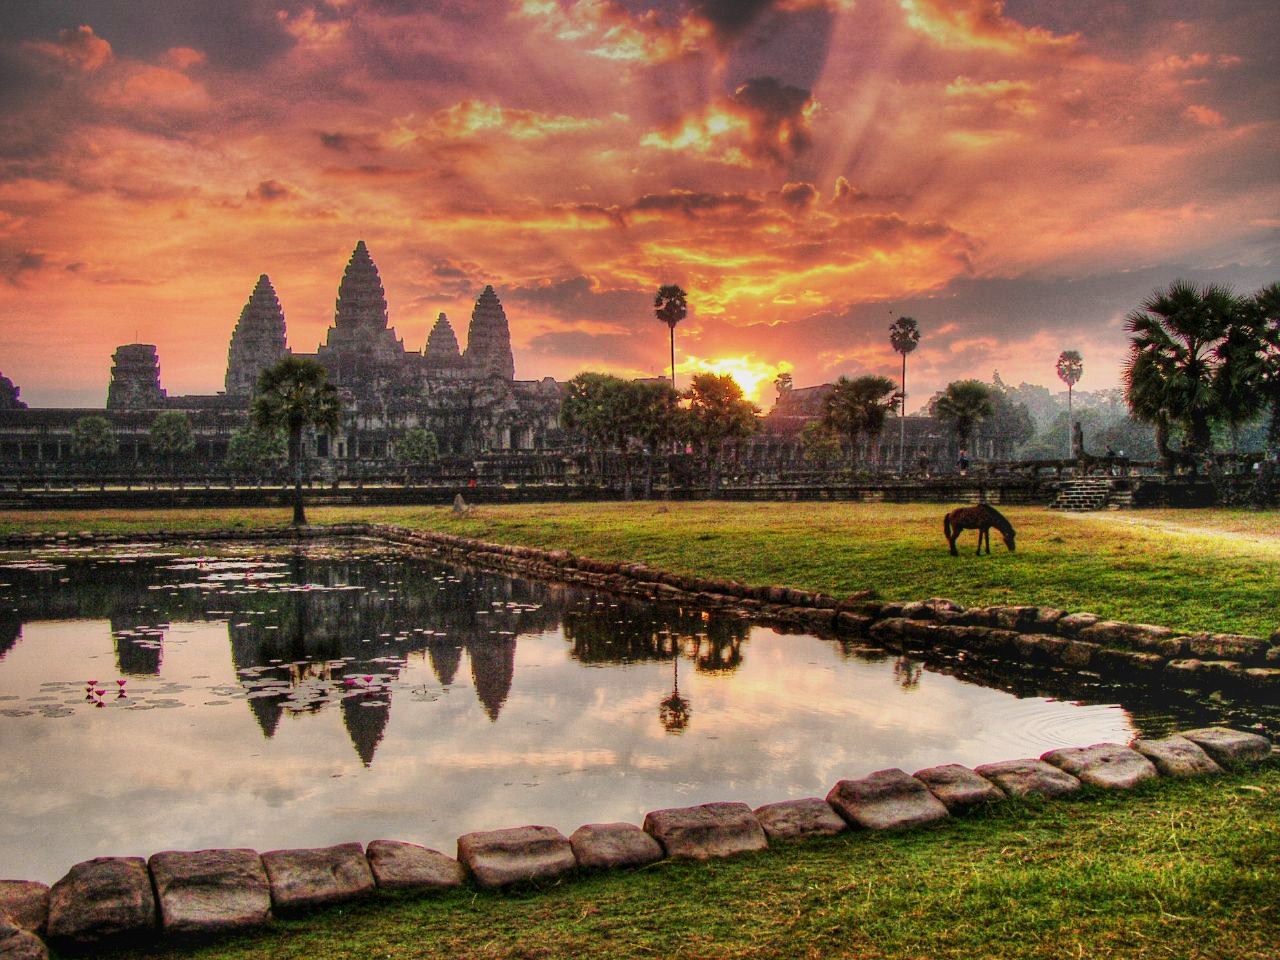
[[182, 58], [147, 86], [80, 49], [764, 120], [1205, 116], [608, 30], [979, 25], [472, 117]]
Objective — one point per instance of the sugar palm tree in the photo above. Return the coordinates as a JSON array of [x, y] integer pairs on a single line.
[[1249, 380], [1176, 351], [1070, 369], [292, 395], [964, 404], [858, 407], [904, 336], [671, 305]]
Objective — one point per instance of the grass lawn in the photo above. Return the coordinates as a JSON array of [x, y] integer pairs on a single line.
[[1188, 569], [1171, 870]]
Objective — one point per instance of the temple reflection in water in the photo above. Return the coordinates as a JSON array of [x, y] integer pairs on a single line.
[[311, 629]]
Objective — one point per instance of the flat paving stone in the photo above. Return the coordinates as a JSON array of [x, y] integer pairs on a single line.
[[886, 800], [1106, 765], [958, 787], [209, 891], [1230, 747], [397, 865], [305, 878], [498, 858], [103, 898], [1177, 756], [706, 831], [1029, 778], [800, 819], [25, 904], [613, 846]]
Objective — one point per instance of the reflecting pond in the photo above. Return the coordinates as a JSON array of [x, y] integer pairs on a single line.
[[276, 697]]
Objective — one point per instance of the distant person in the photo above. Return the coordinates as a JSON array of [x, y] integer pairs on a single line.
[[1110, 458], [963, 462]]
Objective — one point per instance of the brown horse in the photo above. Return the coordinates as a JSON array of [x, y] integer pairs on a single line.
[[981, 518]]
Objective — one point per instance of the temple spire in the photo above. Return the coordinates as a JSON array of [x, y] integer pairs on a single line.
[[489, 337], [258, 340], [361, 303], [442, 344]]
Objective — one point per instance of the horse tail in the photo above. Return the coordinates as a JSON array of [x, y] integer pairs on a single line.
[[946, 525]]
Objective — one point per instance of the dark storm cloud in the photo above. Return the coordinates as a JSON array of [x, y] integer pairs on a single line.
[[692, 204], [16, 266], [595, 350], [731, 17], [580, 298], [347, 142], [269, 191], [798, 197], [240, 34], [775, 110]]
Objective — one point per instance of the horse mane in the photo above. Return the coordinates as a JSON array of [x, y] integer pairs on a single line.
[[998, 520]]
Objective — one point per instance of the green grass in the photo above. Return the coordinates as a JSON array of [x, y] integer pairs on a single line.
[[1192, 570], [1171, 870]]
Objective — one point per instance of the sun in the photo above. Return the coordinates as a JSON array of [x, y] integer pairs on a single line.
[[752, 375]]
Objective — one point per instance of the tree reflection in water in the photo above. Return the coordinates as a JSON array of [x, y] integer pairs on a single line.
[[907, 672], [674, 710]]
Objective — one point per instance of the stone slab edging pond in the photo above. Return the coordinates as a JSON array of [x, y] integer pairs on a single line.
[[213, 891], [1031, 635], [109, 900]]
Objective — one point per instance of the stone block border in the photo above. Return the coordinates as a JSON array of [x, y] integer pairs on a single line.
[[114, 898], [109, 899]]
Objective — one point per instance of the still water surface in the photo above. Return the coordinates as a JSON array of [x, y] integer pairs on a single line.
[[273, 697]]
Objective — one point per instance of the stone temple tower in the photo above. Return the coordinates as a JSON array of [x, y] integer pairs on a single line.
[[360, 314], [135, 378], [489, 337], [442, 344], [258, 340]]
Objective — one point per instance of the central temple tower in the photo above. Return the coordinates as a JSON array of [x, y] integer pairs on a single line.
[[489, 338]]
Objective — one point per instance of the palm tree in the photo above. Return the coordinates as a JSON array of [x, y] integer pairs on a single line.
[[964, 404], [858, 407], [718, 414], [1249, 380], [904, 335], [1070, 369], [1175, 356], [292, 395], [671, 305]]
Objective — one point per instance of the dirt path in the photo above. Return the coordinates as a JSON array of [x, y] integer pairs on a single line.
[[1268, 541]]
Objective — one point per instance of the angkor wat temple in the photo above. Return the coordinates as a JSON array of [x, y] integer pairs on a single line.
[[468, 398]]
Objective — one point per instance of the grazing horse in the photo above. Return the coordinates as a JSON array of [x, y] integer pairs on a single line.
[[981, 518]]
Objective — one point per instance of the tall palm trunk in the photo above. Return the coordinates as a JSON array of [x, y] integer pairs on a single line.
[[295, 460]]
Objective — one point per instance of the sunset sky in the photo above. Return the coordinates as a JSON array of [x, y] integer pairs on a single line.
[[1016, 176]]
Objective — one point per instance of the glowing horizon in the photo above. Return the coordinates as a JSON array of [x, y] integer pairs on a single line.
[[1016, 176]]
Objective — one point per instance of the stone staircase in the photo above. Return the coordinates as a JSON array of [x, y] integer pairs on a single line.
[[1088, 493]]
